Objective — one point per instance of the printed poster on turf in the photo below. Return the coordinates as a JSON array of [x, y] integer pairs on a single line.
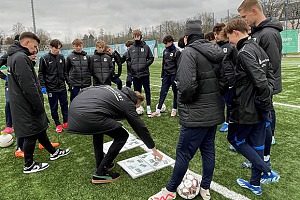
[[144, 164]]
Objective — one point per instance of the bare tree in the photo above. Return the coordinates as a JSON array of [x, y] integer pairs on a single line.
[[18, 28], [272, 8], [44, 37]]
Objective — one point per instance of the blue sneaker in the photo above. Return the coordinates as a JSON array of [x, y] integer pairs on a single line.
[[224, 128], [273, 177], [245, 184]]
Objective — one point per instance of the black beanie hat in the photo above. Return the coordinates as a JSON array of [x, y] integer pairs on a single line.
[[17, 37], [193, 27]]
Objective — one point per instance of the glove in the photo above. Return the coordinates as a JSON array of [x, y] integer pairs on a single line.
[[6, 78], [44, 90]]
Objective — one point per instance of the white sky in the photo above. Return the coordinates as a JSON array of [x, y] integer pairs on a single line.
[[68, 18]]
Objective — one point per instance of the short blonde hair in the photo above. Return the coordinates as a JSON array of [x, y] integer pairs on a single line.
[[77, 42], [247, 5], [100, 43]]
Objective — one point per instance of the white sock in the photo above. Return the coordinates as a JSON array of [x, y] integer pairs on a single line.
[[157, 111], [267, 158], [148, 107]]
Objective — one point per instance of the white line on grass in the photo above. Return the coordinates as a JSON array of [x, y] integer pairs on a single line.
[[287, 105]]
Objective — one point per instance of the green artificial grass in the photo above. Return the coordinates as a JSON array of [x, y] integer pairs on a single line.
[[70, 177]]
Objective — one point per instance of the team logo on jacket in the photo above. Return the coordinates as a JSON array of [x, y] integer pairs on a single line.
[[171, 54], [225, 50], [60, 60], [113, 59], [142, 49], [105, 59], [84, 57], [74, 58], [95, 59]]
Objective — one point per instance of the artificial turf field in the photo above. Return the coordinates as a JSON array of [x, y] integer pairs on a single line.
[[70, 177]]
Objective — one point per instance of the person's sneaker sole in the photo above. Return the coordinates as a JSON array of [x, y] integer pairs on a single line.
[[105, 181]]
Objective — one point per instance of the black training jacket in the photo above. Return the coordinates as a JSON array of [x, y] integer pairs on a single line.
[[102, 68], [254, 84], [26, 99], [98, 109], [53, 73], [140, 58], [170, 62], [199, 98], [79, 69], [267, 35]]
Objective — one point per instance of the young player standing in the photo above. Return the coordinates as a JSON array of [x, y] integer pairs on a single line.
[[140, 58], [53, 76], [79, 69], [266, 32], [253, 87], [168, 74]]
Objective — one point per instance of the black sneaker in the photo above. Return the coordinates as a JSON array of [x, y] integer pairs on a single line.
[[59, 153], [35, 167], [108, 177]]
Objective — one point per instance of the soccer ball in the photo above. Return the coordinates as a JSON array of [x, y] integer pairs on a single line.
[[189, 187], [163, 108], [140, 110], [6, 140]]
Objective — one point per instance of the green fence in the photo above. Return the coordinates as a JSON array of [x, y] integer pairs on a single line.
[[290, 41]]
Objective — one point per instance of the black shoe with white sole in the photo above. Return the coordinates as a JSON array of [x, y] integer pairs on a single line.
[[35, 167], [59, 153]]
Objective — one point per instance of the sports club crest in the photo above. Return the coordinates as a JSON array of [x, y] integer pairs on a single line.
[[142, 49], [105, 59], [171, 54]]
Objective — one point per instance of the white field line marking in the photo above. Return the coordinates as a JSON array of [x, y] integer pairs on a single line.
[[287, 105], [280, 104], [214, 186]]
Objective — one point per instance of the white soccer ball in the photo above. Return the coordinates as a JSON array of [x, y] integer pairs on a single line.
[[189, 187], [163, 108], [6, 140], [140, 110]]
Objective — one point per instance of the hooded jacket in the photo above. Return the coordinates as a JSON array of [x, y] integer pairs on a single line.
[[199, 98], [170, 61], [140, 58], [267, 35], [96, 111], [102, 68], [254, 84], [26, 99], [79, 69], [53, 72]]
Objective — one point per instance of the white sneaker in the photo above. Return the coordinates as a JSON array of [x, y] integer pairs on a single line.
[[149, 110], [174, 112], [163, 194], [205, 194]]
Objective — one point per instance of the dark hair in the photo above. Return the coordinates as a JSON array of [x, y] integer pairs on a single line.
[[168, 38], [55, 43], [181, 42], [29, 35], [218, 27], [129, 43], [209, 36]]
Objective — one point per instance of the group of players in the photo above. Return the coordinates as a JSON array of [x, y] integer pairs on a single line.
[[242, 70]]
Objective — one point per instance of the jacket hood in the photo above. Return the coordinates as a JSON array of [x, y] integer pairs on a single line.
[[130, 94], [139, 43], [269, 22], [17, 47], [211, 51]]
